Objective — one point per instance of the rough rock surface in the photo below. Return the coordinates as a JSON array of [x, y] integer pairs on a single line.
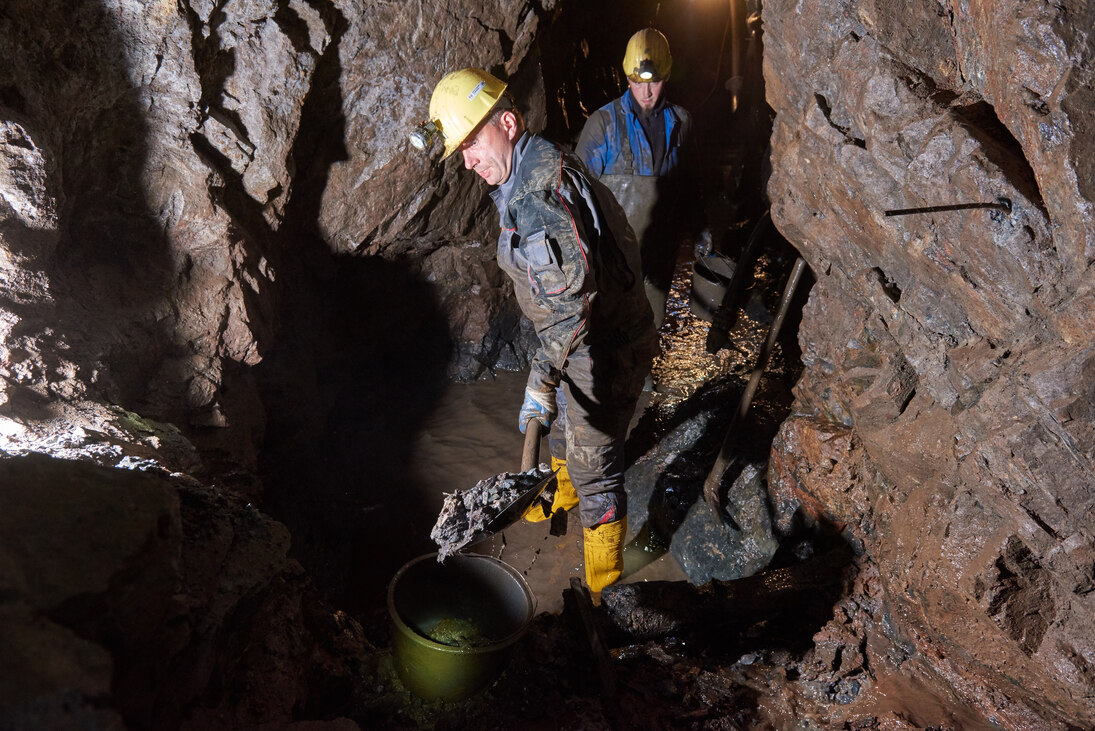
[[945, 414], [192, 195], [135, 599], [175, 175], [208, 208]]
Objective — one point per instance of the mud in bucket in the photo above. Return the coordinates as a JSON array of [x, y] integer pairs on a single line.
[[711, 277], [455, 623]]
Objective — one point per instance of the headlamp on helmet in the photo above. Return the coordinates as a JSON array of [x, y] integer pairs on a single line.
[[423, 135], [459, 104], [647, 57]]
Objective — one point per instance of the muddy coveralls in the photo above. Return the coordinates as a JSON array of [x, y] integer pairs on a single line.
[[660, 196], [575, 267]]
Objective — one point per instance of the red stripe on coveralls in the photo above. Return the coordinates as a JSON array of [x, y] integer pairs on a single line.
[[574, 226]]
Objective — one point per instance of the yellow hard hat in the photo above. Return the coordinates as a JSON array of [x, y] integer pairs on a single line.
[[647, 57], [460, 102]]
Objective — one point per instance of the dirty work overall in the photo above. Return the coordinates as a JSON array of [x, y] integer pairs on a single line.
[[575, 267], [638, 195]]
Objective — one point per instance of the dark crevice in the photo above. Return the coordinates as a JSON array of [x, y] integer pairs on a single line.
[[925, 87], [889, 286], [1000, 147], [1041, 523], [13, 99], [962, 272], [827, 110], [908, 400]]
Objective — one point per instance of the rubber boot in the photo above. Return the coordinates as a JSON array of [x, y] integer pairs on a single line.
[[604, 554], [565, 496]]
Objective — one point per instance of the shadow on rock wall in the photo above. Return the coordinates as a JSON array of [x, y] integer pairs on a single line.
[[67, 96], [359, 362], [337, 458]]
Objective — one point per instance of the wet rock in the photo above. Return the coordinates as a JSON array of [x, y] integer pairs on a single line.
[[179, 602], [844, 691], [710, 547], [936, 421], [667, 481], [465, 514], [655, 609]]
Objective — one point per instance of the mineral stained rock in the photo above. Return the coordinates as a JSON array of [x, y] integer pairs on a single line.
[[943, 420], [468, 512]]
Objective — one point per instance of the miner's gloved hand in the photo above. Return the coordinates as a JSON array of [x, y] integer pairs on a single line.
[[539, 405]]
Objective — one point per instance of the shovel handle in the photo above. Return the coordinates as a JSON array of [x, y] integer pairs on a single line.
[[530, 457]]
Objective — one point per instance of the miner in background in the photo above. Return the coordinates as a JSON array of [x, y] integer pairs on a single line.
[[641, 147], [575, 266]]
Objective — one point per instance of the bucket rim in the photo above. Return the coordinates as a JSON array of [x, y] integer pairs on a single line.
[[417, 637]]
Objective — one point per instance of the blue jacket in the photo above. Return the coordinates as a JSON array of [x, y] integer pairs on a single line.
[[599, 145]]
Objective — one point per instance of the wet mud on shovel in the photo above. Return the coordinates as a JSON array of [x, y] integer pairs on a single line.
[[494, 504], [511, 513]]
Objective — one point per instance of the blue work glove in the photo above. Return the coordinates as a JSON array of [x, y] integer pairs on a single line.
[[539, 405]]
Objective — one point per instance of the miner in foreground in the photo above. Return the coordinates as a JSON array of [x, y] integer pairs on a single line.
[[576, 271]]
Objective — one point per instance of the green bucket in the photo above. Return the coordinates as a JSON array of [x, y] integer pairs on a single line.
[[469, 589]]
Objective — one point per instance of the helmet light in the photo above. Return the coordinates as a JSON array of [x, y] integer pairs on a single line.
[[424, 134], [647, 71]]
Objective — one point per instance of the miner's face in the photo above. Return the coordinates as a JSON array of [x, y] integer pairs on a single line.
[[489, 152], [647, 93]]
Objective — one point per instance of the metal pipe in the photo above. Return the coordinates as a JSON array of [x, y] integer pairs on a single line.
[[1003, 204], [734, 83], [712, 486]]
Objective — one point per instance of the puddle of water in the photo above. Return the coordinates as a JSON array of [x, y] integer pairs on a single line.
[[363, 502]]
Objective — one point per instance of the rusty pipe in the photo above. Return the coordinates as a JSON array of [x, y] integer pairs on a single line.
[[712, 486]]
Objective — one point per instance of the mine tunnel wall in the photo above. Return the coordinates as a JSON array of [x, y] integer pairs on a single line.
[[943, 418]]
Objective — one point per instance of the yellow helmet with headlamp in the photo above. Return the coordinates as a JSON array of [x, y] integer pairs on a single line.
[[460, 102], [647, 57]]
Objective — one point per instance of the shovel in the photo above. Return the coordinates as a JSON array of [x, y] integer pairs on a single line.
[[511, 513]]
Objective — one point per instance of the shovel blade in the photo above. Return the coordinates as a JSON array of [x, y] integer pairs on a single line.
[[514, 511]]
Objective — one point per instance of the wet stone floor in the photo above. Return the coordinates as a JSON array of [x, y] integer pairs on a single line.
[[552, 680], [771, 670], [471, 434]]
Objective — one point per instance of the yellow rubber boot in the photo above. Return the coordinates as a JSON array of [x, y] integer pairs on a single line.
[[565, 496], [604, 554]]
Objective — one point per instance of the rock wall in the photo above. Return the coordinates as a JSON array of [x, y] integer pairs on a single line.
[[173, 173], [944, 419], [194, 196], [137, 600], [184, 184]]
